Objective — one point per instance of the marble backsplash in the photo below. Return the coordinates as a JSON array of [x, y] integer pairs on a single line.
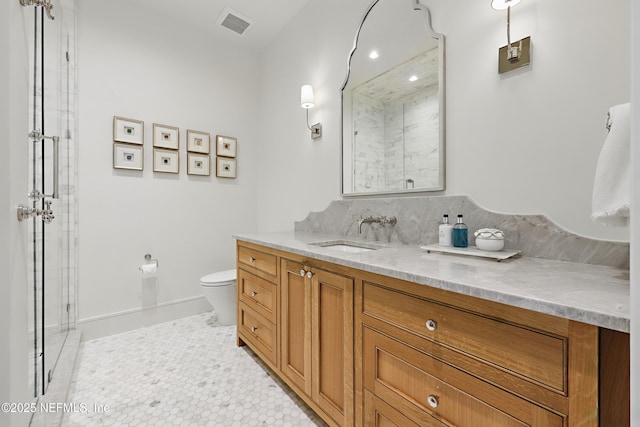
[[418, 219]]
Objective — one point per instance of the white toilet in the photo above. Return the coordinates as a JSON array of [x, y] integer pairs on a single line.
[[220, 290]]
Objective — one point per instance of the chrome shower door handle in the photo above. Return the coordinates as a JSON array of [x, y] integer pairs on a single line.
[[36, 135], [25, 212], [56, 166]]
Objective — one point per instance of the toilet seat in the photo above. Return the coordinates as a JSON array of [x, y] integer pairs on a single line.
[[220, 278]]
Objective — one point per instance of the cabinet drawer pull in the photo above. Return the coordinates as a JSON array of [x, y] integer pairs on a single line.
[[253, 329], [254, 293], [302, 272], [432, 325], [309, 274], [252, 259], [433, 401]]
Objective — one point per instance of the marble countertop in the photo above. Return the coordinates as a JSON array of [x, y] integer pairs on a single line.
[[593, 294]]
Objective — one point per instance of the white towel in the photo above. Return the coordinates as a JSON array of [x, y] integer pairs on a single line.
[[611, 190]]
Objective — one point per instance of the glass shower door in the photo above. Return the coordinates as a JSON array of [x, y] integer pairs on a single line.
[[52, 180]]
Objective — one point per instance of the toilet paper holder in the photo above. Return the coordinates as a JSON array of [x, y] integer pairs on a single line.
[[149, 260]]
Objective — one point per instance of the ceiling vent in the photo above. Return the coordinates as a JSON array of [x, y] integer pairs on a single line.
[[234, 21]]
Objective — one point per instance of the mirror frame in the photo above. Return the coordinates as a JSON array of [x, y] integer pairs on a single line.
[[417, 6]]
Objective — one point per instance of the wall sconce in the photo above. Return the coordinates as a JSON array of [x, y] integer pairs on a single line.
[[306, 102], [513, 55]]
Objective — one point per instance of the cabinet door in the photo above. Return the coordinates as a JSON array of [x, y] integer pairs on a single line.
[[295, 303], [332, 344]]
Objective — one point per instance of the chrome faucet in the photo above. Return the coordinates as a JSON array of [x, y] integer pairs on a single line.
[[379, 219]]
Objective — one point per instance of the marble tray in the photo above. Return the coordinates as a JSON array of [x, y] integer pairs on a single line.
[[472, 251]]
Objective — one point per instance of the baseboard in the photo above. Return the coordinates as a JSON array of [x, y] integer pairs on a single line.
[[123, 321]]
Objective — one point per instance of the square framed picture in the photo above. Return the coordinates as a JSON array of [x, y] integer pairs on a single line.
[[226, 146], [166, 161], [198, 164], [128, 156], [198, 142], [128, 130], [166, 137], [226, 167]]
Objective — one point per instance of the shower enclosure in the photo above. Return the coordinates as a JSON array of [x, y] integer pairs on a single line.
[[51, 209]]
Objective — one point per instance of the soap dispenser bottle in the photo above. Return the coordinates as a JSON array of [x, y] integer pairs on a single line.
[[444, 232], [460, 234]]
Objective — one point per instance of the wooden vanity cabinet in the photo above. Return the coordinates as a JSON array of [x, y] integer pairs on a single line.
[[312, 326], [369, 350]]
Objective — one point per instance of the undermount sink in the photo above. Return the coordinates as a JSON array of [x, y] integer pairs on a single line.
[[349, 249], [348, 246]]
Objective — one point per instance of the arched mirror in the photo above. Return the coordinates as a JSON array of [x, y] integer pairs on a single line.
[[393, 134]]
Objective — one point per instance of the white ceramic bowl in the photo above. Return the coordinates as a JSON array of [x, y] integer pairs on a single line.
[[490, 244], [489, 239]]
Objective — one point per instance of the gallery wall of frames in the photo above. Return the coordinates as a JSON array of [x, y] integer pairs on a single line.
[[128, 149]]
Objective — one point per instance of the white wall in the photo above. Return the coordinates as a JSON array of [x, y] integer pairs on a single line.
[[14, 97], [302, 175], [542, 127], [5, 208], [144, 66], [635, 220]]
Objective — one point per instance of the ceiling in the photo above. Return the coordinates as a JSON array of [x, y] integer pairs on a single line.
[[268, 16]]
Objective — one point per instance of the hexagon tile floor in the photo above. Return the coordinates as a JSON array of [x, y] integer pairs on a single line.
[[187, 372]]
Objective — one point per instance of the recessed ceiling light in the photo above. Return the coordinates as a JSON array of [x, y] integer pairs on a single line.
[[413, 78], [374, 54]]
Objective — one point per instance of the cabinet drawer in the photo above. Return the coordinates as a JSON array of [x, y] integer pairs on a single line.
[[377, 413], [422, 388], [537, 356], [258, 294], [261, 261], [258, 331]]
